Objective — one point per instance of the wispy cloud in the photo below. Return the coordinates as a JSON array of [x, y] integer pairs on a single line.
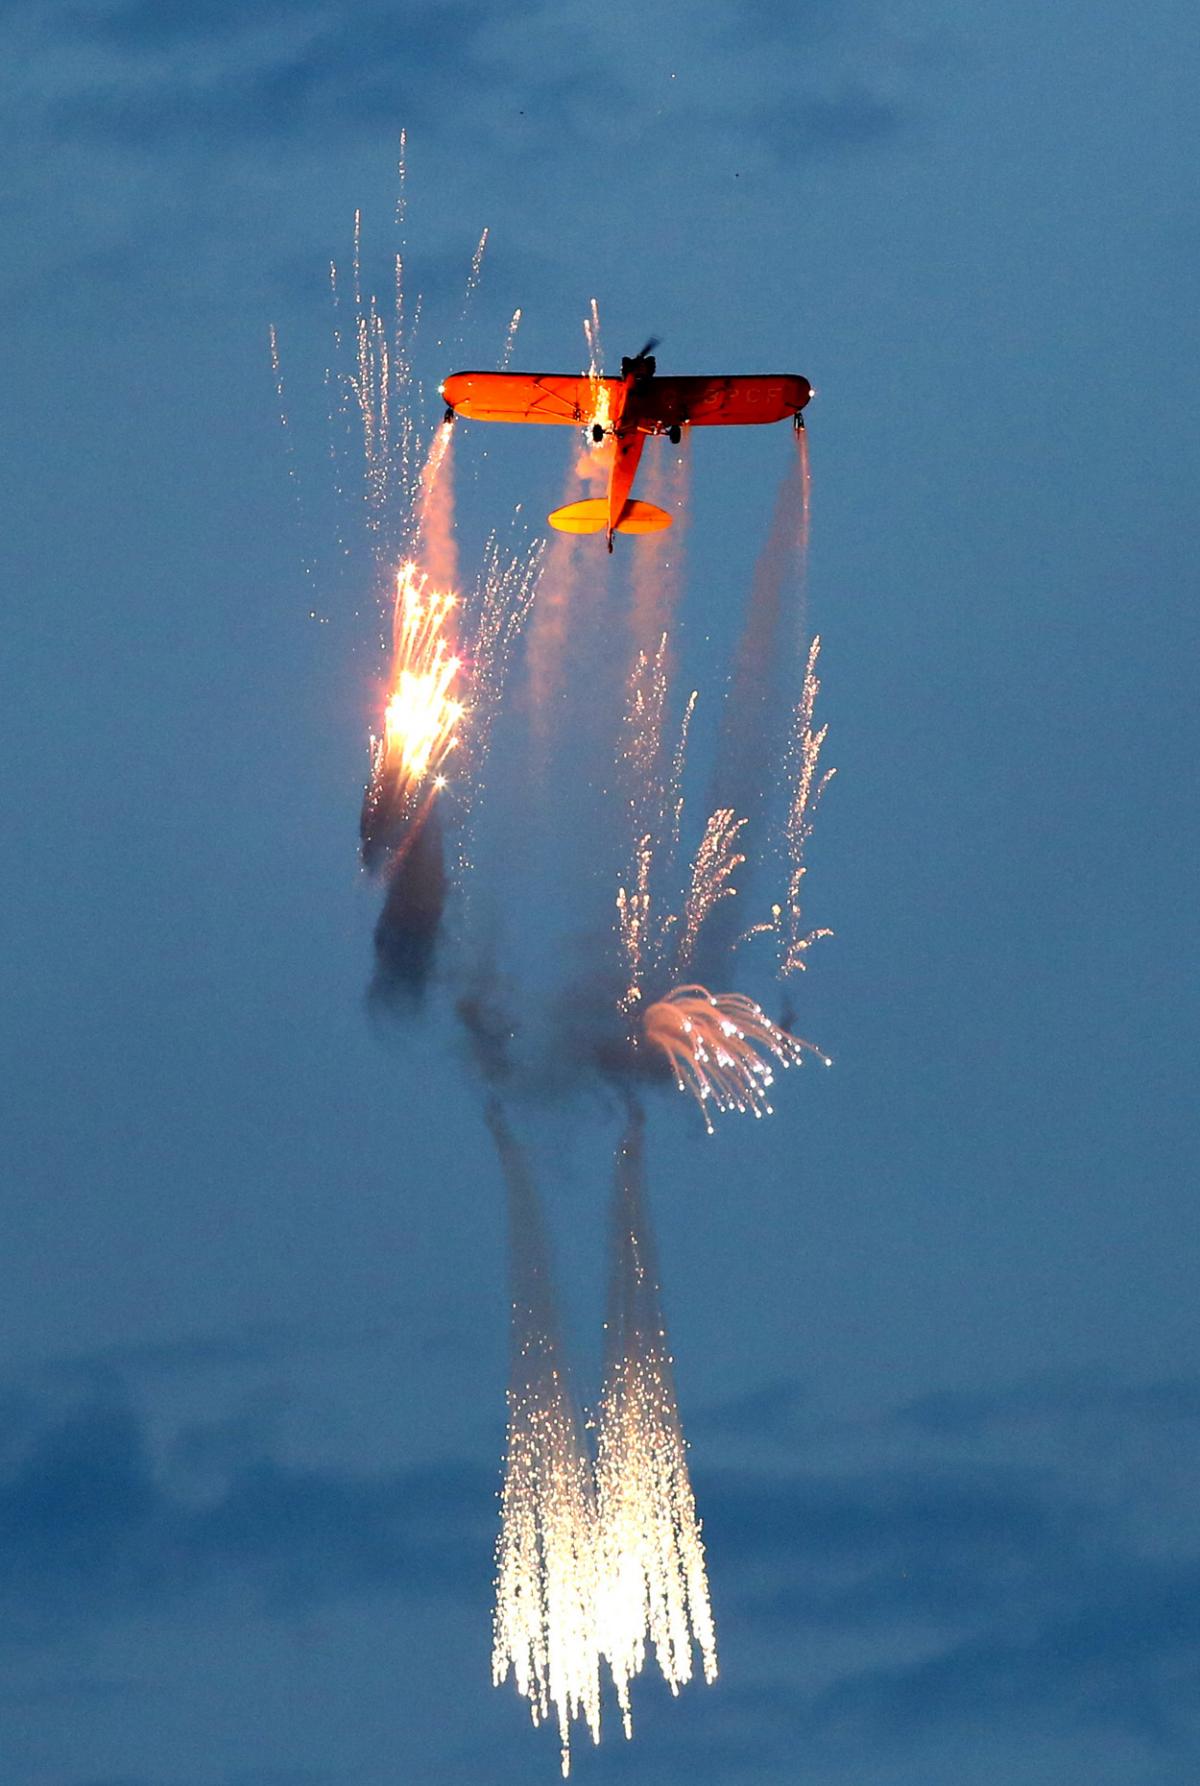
[[886, 1586], [93, 1527]]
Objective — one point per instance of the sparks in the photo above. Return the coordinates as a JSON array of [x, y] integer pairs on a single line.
[[421, 718], [721, 1047], [717, 861], [653, 1587], [808, 784], [422, 714], [543, 1631]]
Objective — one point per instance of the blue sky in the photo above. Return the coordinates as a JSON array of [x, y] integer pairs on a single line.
[[935, 1322]]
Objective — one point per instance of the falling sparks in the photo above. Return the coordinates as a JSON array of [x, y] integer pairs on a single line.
[[646, 798], [808, 785], [717, 861], [600, 409], [654, 801], [423, 711], [653, 1587], [473, 279], [721, 1047], [422, 714], [504, 599], [600, 1564], [510, 340], [544, 1631]]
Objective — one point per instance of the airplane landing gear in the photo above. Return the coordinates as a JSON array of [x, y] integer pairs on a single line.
[[598, 436], [675, 434], [798, 422], [449, 415]]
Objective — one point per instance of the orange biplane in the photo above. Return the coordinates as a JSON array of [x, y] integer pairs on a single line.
[[625, 409]]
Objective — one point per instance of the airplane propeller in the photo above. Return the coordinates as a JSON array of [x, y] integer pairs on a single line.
[[649, 347]]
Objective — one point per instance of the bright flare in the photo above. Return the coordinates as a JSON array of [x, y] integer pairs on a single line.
[[421, 719], [721, 1047]]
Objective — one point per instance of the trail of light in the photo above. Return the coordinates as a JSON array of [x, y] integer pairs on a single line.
[[544, 1631], [721, 1047], [402, 380], [551, 623], [717, 860], [805, 530], [289, 450], [807, 787], [433, 538], [653, 1585], [596, 457], [656, 568], [547, 640], [653, 803], [401, 184], [504, 597], [510, 340], [472, 280]]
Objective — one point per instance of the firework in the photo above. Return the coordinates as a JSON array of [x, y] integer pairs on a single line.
[[504, 599], [808, 784], [544, 1631], [510, 340], [717, 860], [421, 719], [652, 1587], [721, 1047], [654, 803]]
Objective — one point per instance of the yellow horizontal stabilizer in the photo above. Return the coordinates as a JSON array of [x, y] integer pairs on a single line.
[[581, 517], [591, 516], [642, 517]]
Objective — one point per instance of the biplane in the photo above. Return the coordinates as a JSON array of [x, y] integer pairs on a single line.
[[625, 410]]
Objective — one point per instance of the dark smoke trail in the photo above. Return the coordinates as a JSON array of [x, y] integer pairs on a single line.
[[406, 934]]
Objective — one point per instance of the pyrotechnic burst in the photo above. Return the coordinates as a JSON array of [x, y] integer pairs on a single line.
[[721, 1047], [596, 1562], [653, 1586], [421, 717], [544, 1630]]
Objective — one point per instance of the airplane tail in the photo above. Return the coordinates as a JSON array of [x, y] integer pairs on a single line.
[[591, 516]]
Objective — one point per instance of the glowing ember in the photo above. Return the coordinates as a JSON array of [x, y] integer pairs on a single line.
[[721, 1047]]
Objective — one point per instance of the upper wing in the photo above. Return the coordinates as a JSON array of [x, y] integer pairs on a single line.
[[754, 397], [530, 396]]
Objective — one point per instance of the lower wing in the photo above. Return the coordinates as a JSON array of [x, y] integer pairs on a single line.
[[754, 397], [563, 397]]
